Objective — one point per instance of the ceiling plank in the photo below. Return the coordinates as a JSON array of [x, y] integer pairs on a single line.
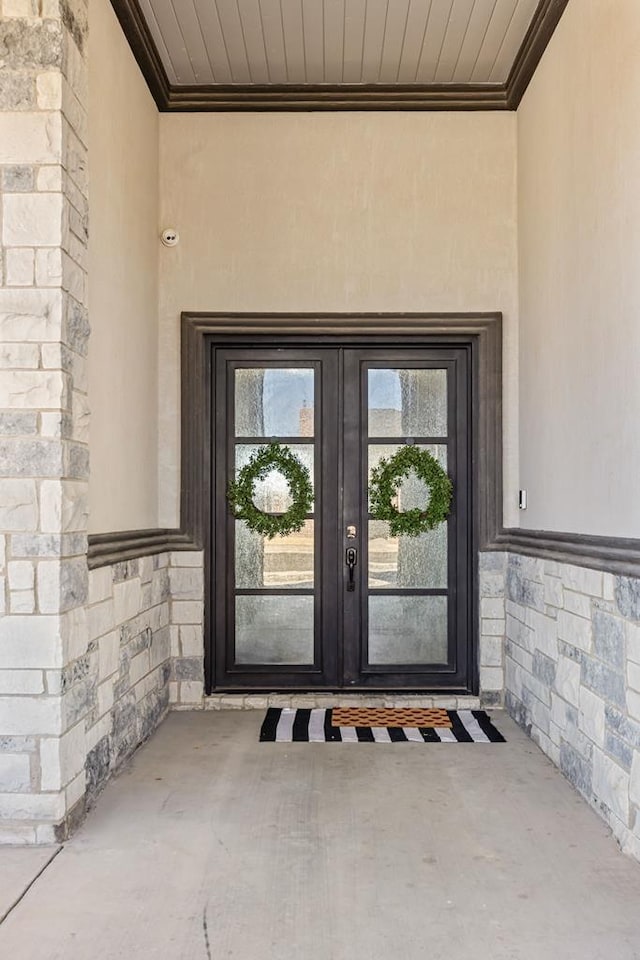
[[498, 25], [229, 17], [207, 13], [417, 21], [313, 24], [271, 15], [454, 37], [394, 40], [354, 17], [434, 39], [374, 30], [254, 41], [172, 36], [480, 17], [294, 40], [187, 19], [334, 13]]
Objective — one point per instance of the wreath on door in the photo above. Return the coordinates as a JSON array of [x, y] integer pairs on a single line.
[[383, 490], [241, 491]]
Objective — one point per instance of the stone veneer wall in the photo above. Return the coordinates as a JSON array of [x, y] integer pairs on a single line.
[[121, 684], [115, 692], [572, 676], [186, 579], [43, 404], [84, 657], [492, 629]]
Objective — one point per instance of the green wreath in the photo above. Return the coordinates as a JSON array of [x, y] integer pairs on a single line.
[[385, 480], [241, 491]]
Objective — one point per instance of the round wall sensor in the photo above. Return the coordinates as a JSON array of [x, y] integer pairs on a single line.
[[170, 237]]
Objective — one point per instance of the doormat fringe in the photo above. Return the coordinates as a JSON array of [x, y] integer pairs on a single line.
[[286, 725]]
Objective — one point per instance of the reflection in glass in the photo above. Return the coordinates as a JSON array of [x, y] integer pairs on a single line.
[[412, 492], [407, 629], [281, 562], [274, 402], [272, 493], [407, 403], [274, 630], [407, 561]]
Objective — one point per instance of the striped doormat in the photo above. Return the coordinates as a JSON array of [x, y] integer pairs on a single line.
[[286, 725]]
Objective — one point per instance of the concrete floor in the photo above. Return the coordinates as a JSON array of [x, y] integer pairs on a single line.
[[214, 846]]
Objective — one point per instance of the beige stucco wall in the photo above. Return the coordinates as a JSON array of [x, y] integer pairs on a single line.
[[331, 212], [579, 253], [123, 285]]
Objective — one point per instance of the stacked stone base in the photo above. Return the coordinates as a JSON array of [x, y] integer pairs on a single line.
[[572, 655]]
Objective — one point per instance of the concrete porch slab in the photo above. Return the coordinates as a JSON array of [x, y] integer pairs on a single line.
[[19, 867], [211, 845]]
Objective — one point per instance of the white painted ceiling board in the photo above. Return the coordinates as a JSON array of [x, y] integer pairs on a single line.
[[393, 42], [337, 41], [229, 17], [355, 12], [271, 13], [433, 40], [207, 13], [172, 40], [193, 40], [453, 39], [498, 25], [293, 28], [417, 23], [473, 40], [313, 24], [334, 39], [253, 35]]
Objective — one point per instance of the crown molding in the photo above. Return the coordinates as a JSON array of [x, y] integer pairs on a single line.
[[135, 28], [287, 97], [541, 29], [181, 98]]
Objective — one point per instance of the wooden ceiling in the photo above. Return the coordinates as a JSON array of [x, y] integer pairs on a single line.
[[338, 54]]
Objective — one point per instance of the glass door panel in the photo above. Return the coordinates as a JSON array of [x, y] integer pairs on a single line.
[[406, 625], [341, 603], [274, 578]]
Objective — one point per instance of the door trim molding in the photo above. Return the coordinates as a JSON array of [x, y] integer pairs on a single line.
[[480, 332]]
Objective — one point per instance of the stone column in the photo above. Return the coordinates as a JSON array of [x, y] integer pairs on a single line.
[[46, 689]]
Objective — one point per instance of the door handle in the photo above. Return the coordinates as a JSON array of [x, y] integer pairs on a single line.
[[351, 558]]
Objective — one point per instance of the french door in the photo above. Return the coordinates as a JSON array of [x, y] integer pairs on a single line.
[[341, 603]]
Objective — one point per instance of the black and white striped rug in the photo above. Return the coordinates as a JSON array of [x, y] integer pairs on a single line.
[[286, 725]]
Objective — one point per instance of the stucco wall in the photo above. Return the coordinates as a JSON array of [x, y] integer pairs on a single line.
[[579, 245], [347, 211], [123, 266]]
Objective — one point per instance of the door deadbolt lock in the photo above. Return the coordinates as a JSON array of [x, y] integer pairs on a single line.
[[351, 532]]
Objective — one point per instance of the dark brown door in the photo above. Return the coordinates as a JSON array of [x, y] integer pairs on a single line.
[[286, 616]]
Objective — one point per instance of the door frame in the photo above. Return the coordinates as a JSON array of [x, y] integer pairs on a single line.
[[481, 333]]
